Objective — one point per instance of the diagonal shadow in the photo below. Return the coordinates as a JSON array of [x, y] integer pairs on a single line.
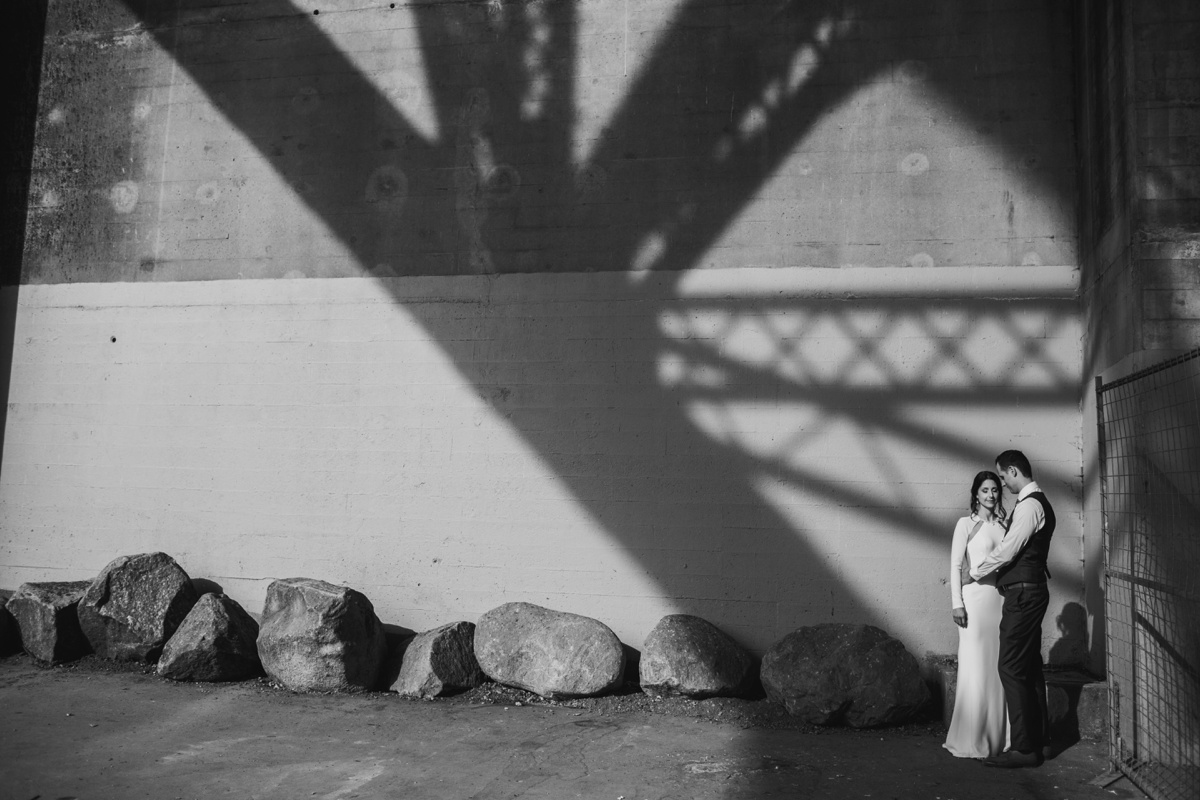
[[476, 199], [20, 57]]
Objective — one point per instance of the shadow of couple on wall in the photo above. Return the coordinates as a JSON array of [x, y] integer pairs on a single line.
[[1074, 711]]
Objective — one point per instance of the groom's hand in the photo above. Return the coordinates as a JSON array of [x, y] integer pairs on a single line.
[[960, 617]]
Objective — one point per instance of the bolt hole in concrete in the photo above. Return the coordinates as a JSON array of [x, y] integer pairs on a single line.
[[114, 339]]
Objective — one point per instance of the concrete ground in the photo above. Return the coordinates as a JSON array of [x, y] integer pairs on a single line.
[[94, 733]]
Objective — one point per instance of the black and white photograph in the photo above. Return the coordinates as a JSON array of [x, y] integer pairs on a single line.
[[600, 399]]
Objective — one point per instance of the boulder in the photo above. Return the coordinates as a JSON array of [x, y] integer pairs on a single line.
[[46, 617], [318, 637], [217, 641], [440, 661], [835, 672], [10, 636], [690, 656], [551, 653], [134, 605]]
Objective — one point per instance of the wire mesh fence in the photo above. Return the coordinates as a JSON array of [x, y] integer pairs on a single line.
[[1150, 489]]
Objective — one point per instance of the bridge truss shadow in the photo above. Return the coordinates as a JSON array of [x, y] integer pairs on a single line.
[[501, 188]]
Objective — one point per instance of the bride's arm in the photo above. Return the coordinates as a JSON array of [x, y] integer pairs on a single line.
[[958, 548]]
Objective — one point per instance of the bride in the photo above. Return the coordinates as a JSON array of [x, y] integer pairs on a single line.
[[979, 727]]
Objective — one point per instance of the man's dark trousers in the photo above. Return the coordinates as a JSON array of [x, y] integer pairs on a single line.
[[1021, 664]]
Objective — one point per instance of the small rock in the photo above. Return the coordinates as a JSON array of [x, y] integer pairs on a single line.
[[838, 672], [46, 617], [217, 641], [134, 605], [551, 653], [439, 662], [318, 637], [690, 656]]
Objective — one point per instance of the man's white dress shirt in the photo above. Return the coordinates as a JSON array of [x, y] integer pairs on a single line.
[[1027, 519]]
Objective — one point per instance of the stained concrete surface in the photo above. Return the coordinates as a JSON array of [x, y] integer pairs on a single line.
[[77, 733]]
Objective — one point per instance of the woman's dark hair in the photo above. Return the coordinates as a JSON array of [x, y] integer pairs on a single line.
[[987, 475]]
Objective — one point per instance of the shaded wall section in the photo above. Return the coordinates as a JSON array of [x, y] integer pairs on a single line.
[[21, 57], [623, 309], [1139, 145], [1139, 68]]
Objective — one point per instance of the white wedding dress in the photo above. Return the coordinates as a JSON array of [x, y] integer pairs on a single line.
[[979, 726]]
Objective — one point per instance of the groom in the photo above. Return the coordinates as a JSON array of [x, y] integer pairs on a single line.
[[1020, 565]]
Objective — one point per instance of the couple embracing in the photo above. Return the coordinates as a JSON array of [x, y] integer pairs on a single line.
[[999, 595]]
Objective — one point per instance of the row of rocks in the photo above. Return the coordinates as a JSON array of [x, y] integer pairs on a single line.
[[316, 636]]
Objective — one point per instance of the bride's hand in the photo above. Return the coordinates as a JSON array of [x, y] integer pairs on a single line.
[[960, 617]]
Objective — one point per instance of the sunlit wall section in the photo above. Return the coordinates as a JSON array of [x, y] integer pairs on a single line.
[[258, 430], [620, 308]]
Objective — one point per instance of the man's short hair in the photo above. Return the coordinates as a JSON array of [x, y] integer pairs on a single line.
[[1014, 458]]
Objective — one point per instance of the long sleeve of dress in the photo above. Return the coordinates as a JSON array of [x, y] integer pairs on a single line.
[[958, 548]]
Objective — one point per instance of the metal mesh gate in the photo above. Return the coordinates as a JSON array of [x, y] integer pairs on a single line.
[[1150, 494]]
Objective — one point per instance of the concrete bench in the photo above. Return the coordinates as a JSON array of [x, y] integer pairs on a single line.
[[1078, 702]]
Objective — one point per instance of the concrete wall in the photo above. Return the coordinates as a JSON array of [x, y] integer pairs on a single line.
[[786, 279], [1139, 129], [1139, 142]]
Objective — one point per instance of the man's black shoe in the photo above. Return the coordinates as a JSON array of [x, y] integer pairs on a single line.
[[1014, 759]]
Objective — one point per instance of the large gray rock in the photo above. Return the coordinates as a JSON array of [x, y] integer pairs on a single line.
[[134, 606], [10, 635], [690, 656], [835, 672], [217, 641], [439, 662], [318, 637], [552, 653], [45, 614]]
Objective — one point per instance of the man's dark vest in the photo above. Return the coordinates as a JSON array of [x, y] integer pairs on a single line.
[[1030, 563]]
